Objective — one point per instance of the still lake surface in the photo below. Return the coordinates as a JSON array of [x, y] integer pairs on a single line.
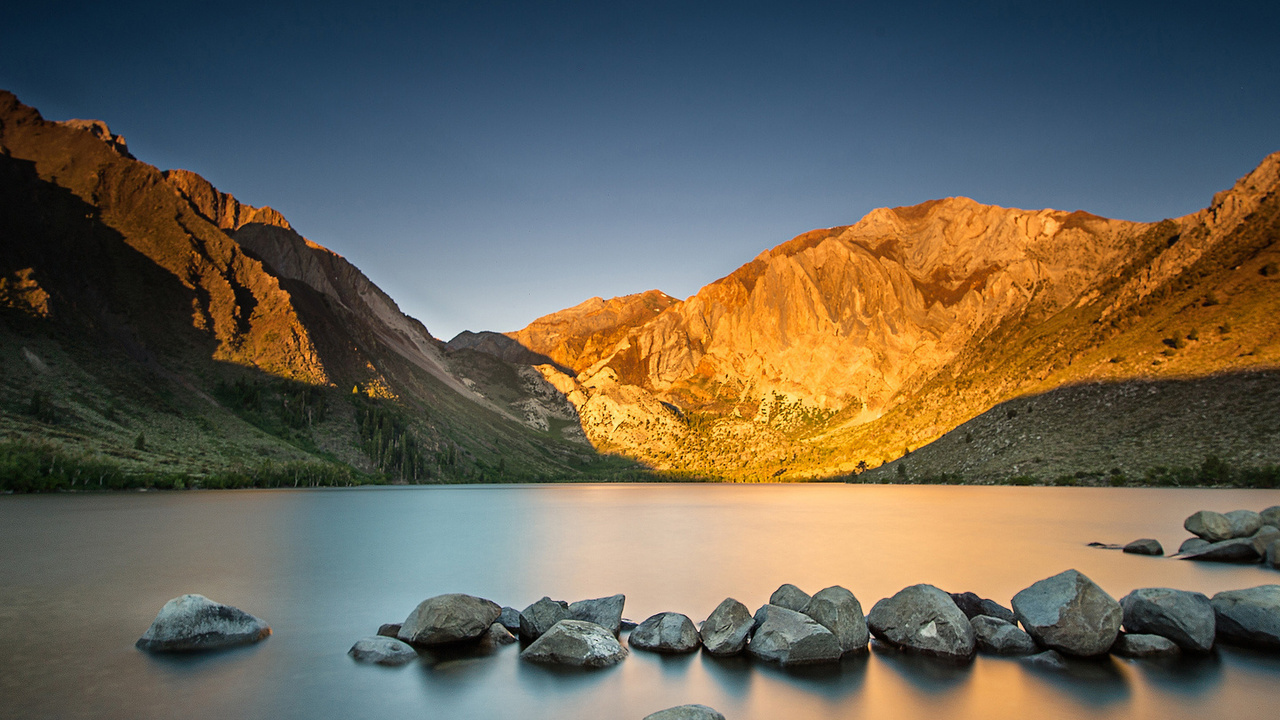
[[82, 576]]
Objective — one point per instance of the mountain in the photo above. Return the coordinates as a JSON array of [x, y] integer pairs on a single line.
[[150, 323], [844, 347]]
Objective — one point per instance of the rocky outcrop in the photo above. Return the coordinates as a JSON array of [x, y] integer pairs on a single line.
[[1000, 637], [576, 643], [99, 130], [1209, 525], [1249, 617], [790, 597], [923, 619], [1070, 613], [1143, 646], [837, 610], [1186, 618], [727, 629], [450, 618], [383, 651], [194, 622], [605, 612], [541, 616], [686, 712], [787, 637], [666, 632], [1144, 546]]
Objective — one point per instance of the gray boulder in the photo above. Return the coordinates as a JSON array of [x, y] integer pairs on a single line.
[[1250, 616], [1145, 546], [686, 712], [578, 643], [1264, 537], [451, 618], [1271, 516], [389, 630], [1001, 637], [1212, 526], [383, 650], [666, 632], [837, 610], [790, 597], [1070, 613], [1184, 617], [1243, 522], [923, 619], [727, 628], [1047, 660], [790, 638], [1235, 550], [509, 618], [1192, 544], [541, 616], [194, 622], [497, 634], [605, 612], [1143, 646], [972, 606]]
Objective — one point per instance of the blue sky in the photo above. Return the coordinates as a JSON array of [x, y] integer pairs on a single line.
[[487, 163]]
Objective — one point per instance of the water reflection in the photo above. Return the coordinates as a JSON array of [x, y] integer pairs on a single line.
[[1091, 682], [929, 674]]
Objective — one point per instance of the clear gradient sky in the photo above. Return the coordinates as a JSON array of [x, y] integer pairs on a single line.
[[487, 163]]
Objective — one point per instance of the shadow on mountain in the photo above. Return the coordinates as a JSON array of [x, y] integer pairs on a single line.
[[504, 348]]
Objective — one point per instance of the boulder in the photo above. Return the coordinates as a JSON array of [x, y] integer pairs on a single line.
[[1192, 544], [194, 622], [1184, 617], [1001, 637], [541, 616], [498, 634], [666, 632], [1145, 546], [1243, 522], [1143, 646], [1271, 516], [389, 630], [1264, 537], [1250, 616], [605, 612], [791, 638], [837, 610], [790, 597], [726, 629], [578, 643], [686, 712], [923, 619], [1047, 660], [451, 618], [509, 618], [1070, 613], [972, 606], [1212, 526], [383, 650], [1235, 550]]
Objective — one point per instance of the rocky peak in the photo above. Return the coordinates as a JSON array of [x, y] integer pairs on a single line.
[[220, 208], [578, 337], [99, 129]]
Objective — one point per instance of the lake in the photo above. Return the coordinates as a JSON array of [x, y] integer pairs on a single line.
[[82, 576]]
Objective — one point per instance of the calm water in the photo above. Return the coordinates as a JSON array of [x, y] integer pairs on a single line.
[[82, 577]]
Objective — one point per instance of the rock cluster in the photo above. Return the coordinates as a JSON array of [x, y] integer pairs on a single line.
[[1237, 536]]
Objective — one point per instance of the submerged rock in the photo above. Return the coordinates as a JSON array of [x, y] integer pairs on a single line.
[[578, 643], [790, 597], [666, 632], [791, 638], [686, 712], [383, 650], [1250, 616], [1243, 522], [1184, 617], [1070, 613], [972, 606], [605, 612], [1000, 637], [451, 618], [837, 610], [1144, 546], [541, 616], [1143, 646], [1047, 660], [1212, 526], [923, 619], [726, 629], [194, 622], [1236, 550]]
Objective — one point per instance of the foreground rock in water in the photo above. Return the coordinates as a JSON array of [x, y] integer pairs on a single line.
[[790, 597], [1249, 617], [1243, 522], [923, 619], [1212, 526], [1264, 537], [498, 634], [1237, 550], [666, 632], [1143, 646], [1070, 613], [1186, 618], [449, 618], [1047, 660], [972, 606], [389, 630], [194, 622], [837, 610], [509, 618], [383, 650], [1145, 546], [578, 643], [686, 712], [791, 638], [541, 616], [1000, 637], [726, 629], [605, 612]]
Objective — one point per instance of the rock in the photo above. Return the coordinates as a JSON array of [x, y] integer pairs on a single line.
[[837, 610], [1243, 522], [1273, 554], [1145, 546], [1001, 637], [1236, 550], [628, 624], [1271, 516], [666, 632], [791, 638], [605, 612], [576, 642], [1047, 660], [790, 597], [194, 622], [1070, 613], [1186, 618], [923, 619], [1250, 616], [726, 629], [972, 606], [1105, 546], [1264, 537], [383, 650], [541, 616], [686, 712], [1192, 544], [1143, 646], [389, 630], [498, 634], [509, 618], [1209, 525], [449, 618]]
